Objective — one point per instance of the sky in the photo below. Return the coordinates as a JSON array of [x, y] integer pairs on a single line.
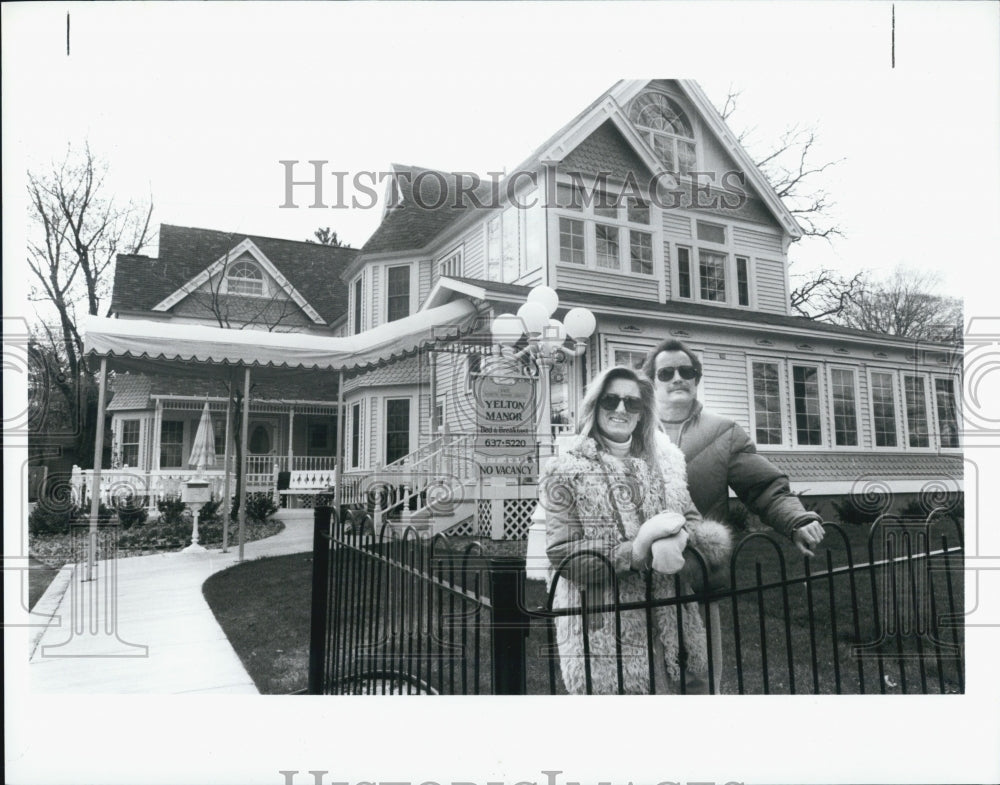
[[196, 104]]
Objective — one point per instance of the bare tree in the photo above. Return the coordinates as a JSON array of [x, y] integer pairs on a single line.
[[324, 236], [76, 231], [792, 167], [906, 303]]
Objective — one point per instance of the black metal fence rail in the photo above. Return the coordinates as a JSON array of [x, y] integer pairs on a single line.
[[415, 616], [403, 614], [888, 624]]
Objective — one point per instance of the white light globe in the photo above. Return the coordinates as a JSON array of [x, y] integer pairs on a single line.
[[580, 324], [534, 317], [545, 295], [506, 328], [554, 333]]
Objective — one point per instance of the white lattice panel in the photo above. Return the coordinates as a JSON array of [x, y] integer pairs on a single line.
[[517, 518], [484, 518]]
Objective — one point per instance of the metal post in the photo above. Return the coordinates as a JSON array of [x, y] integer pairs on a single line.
[[338, 489], [95, 494], [244, 427], [510, 626], [225, 468], [322, 520]]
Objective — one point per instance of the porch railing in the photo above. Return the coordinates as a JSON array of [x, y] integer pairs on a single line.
[[156, 485]]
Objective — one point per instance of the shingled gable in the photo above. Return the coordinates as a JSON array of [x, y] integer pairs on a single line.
[[312, 269]]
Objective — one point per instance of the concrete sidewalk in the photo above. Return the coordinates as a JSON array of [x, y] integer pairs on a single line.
[[143, 626]]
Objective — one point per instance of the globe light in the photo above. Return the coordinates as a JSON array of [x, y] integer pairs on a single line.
[[554, 334], [545, 295], [534, 317], [580, 324], [506, 329]]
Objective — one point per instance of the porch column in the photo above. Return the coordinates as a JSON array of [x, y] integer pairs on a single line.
[[291, 423], [95, 493], [244, 427], [154, 457]]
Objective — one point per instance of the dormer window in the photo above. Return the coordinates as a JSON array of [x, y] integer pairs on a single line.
[[666, 128], [245, 278]]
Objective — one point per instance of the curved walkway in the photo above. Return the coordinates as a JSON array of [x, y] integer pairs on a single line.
[[143, 626]]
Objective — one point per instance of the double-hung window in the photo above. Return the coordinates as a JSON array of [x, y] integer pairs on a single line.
[[171, 444], [845, 407], [397, 428], [397, 293], [808, 422], [947, 414], [883, 409], [130, 443], [356, 435], [357, 305], [917, 432], [766, 402]]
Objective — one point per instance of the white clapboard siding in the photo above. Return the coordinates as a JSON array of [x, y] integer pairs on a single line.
[[531, 278], [725, 389], [424, 270], [676, 227], [615, 284], [770, 284], [474, 262], [755, 241], [376, 294]]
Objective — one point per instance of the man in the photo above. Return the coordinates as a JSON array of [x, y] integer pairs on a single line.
[[719, 453]]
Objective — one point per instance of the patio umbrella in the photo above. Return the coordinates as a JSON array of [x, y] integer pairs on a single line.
[[203, 449]]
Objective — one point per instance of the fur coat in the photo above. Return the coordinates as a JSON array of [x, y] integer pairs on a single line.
[[576, 490]]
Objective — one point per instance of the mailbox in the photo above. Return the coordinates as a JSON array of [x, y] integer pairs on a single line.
[[196, 492]]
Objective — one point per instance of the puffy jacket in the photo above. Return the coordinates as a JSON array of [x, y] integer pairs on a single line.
[[721, 456]]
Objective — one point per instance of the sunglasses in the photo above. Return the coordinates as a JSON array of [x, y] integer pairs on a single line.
[[610, 403], [684, 371]]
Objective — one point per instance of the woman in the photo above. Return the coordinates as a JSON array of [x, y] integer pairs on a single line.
[[620, 489]]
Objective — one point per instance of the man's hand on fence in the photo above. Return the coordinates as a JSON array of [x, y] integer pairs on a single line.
[[807, 537]]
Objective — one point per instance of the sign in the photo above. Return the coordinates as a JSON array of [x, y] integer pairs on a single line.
[[506, 441]]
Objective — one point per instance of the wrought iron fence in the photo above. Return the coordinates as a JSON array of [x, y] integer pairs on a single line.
[[877, 611]]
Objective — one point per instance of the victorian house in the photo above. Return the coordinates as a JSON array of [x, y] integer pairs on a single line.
[[644, 209]]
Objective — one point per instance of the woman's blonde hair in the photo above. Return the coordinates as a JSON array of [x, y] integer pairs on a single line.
[[644, 435]]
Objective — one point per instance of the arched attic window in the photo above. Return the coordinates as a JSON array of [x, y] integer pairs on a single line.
[[245, 278], [666, 128]]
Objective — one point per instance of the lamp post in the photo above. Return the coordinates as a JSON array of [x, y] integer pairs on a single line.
[[546, 339]]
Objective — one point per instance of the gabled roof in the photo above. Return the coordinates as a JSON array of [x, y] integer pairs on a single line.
[[430, 201], [311, 269], [413, 226]]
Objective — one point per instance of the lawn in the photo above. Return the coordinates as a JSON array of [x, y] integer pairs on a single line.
[[264, 608]]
